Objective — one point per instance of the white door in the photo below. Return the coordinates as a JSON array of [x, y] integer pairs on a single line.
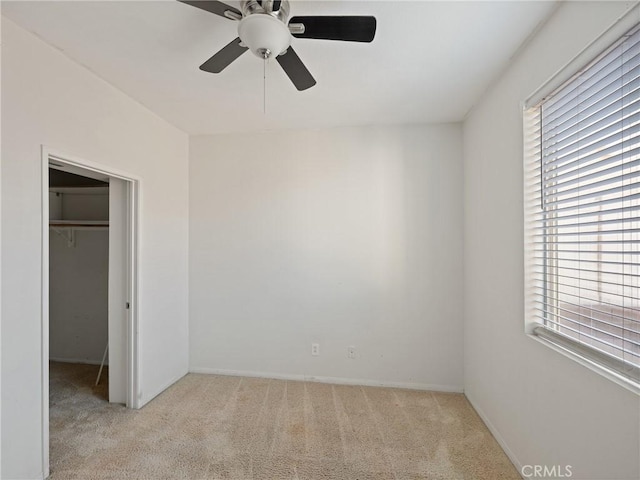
[[118, 288]]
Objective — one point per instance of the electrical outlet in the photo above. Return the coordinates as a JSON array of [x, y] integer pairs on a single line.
[[315, 349], [351, 352]]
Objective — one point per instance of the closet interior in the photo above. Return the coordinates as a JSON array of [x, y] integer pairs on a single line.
[[78, 273]]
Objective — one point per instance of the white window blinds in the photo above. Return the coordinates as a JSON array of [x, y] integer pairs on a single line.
[[582, 198]]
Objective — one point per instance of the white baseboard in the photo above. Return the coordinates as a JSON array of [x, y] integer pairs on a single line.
[[334, 380], [82, 361], [494, 431]]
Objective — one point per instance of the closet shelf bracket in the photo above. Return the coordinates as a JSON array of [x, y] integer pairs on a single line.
[[70, 226], [68, 234]]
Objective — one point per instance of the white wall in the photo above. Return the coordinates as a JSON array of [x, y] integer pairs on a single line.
[[48, 99], [55, 206], [342, 237], [79, 206], [546, 409], [78, 296]]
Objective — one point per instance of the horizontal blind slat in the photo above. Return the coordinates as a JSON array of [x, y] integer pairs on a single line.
[[589, 174], [628, 198], [592, 140], [541, 290], [604, 304], [551, 312], [601, 342], [621, 189], [608, 107], [586, 163]]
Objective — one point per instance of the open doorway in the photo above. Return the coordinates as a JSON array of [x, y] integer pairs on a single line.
[[78, 287], [89, 288]]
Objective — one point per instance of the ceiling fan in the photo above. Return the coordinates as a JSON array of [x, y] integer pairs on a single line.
[[263, 29]]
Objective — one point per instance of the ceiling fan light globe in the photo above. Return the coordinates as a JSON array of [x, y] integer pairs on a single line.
[[264, 33]]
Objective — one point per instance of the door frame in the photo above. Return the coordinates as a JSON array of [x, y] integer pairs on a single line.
[[132, 272]]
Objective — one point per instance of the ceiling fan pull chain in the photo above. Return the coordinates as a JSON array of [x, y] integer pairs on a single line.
[[264, 86]]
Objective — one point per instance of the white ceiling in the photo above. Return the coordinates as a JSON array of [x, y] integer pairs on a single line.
[[430, 61]]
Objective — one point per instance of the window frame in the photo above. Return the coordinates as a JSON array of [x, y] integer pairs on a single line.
[[607, 365]]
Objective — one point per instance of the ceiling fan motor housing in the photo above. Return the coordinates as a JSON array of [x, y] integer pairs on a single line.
[[263, 30]]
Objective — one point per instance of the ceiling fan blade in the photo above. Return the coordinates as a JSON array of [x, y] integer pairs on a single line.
[[213, 6], [348, 29], [224, 57], [295, 70]]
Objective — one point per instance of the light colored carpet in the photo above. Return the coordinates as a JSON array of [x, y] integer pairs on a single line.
[[216, 427]]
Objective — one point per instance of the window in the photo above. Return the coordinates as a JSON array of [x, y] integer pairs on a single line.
[[582, 213]]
